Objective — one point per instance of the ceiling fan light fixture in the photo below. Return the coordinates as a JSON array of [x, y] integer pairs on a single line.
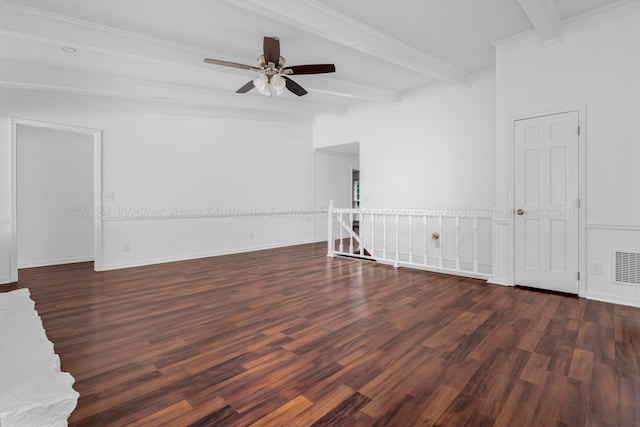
[[262, 84], [278, 83]]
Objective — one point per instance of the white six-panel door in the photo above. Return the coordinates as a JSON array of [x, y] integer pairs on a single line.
[[547, 202]]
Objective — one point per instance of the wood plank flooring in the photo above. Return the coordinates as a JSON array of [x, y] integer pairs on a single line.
[[288, 337]]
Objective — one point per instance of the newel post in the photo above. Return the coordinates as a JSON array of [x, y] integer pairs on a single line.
[[330, 242]]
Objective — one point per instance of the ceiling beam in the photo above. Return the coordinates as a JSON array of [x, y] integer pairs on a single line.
[[344, 89], [315, 18], [67, 81], [543, 14]]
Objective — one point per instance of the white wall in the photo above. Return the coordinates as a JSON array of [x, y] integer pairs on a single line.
[[434, 149], [332, 182], [597, 65], [54, 176], [235, 185], [243, 183]]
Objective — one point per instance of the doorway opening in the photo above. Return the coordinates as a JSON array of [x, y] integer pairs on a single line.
[[334, 169], [56, 195]]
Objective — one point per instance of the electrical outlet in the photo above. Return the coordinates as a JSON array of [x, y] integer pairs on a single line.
[[595, 268], [108, 197], [251, 236], [126, 247]]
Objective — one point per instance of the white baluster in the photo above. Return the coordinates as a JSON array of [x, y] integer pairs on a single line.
[[351, 231], [373, 235], [341, 238], [330, 242], [441, 240], [475, 244], [396, 264], [426, 239], [361, 234], [457, 242], [384, 236], [411, 239]]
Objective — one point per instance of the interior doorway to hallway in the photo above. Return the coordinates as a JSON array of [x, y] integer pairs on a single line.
[[56, 197], [334, 169]]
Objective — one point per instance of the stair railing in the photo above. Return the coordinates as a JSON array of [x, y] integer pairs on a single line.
[[454, 242]]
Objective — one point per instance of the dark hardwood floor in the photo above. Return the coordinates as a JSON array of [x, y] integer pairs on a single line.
[[289, 337]]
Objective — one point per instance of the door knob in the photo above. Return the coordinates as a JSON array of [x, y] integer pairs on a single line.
[[520, 212]]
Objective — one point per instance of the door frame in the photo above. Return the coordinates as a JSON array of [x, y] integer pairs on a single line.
[[352, 181], [96, 134], [582, 180]]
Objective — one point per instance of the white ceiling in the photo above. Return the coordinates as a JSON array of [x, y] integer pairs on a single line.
[[150, 52]]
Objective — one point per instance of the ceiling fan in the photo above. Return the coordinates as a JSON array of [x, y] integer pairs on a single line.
[[274, 76]]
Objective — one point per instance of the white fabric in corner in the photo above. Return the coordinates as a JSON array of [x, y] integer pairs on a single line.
[[33, 390]]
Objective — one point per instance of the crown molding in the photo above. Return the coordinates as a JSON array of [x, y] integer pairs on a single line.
[[574, 18], [315, 18], [597, 10]]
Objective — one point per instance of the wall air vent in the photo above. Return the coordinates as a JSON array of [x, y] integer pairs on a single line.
[[626, 268]]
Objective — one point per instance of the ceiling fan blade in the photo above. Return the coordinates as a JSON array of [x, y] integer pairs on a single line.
[[246, 88], [311, 69], [294, 87], [230, 64], [272, 50]]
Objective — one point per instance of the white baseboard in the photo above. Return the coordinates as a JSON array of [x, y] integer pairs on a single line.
[[152, 261], [497, 281], [433, 269], [614, 299], [44, 263], [5, 280]]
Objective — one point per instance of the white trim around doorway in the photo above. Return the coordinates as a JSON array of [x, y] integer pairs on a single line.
[[97, 187], [582, 164]]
